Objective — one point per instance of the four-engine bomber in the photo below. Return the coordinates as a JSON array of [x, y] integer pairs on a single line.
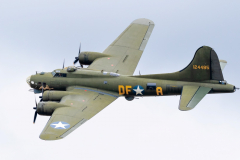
[[73, 95]]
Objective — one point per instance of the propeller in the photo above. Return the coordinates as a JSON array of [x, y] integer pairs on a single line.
[[35, 114], [77, 58]]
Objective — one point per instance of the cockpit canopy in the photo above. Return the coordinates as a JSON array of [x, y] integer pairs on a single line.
[[58, 74]]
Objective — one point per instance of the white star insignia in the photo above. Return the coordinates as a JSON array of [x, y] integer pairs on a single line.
[[138, 90], [60, 125]]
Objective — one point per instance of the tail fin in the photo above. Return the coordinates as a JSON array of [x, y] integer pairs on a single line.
[[204, 66]]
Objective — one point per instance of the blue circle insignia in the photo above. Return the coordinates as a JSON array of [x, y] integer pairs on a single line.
[[138, 90], [60, 125]]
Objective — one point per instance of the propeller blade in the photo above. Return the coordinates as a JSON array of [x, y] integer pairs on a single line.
[[35, 102], [75, 60], [79, 49], [35, 116], [63, 63], [42, 92]]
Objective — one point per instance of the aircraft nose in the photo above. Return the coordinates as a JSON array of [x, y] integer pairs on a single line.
[[28, 80]]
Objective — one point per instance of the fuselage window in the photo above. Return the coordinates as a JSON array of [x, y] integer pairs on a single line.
[[151, 86], [60, 75], [53, 73]]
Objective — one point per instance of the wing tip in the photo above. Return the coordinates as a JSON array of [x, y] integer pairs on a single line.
[[143, 21], [223, 61], [49, 137], [223, 64]]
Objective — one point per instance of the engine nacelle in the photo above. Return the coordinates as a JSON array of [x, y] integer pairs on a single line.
[[47, 108], [86, 58], [55, 95]]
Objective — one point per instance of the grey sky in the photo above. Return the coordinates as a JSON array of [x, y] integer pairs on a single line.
[[38, 35]]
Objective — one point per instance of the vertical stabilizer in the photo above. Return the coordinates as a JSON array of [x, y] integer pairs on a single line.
[[205, 65]]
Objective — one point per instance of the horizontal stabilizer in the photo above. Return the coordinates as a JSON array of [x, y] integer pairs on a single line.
[[223, 63], [191, 96]]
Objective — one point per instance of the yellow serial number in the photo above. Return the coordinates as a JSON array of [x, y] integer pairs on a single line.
[[205, 67]]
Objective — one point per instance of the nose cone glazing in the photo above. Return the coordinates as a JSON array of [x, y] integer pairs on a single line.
[[28, 80]]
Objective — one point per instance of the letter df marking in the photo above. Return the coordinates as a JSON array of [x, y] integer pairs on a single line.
[[128, 89], [121, 89]]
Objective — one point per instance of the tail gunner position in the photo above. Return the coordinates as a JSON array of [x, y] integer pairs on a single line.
[[73, 95]]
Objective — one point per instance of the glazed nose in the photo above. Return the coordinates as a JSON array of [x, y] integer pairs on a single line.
[[28, 80]]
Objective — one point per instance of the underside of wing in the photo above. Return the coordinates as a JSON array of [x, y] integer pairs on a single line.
[[125, 52], [191, 96], [83, 104]]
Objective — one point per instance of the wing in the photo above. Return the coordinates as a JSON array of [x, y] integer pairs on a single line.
[[82, 106], [191, 96], [126, 51]]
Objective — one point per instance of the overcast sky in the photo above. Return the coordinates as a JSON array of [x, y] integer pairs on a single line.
[[39, 35]]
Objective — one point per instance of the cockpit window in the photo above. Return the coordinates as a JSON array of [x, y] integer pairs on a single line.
[[60, 75], [53, 73]]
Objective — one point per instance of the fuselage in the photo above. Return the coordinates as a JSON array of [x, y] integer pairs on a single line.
[[122, 85]]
